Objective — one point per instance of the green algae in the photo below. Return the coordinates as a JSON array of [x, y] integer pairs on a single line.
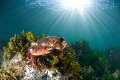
[[81, 46]]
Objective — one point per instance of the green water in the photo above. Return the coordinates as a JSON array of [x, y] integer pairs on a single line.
[[99, 23]]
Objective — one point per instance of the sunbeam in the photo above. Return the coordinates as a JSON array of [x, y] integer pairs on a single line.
[[76, 4]]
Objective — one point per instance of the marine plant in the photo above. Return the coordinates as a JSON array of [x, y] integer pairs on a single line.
[[97, 61], [96, 65], [108, 76], [81, 46], [19, 44], [65, 62], [9, 74], [68, 64], [88, 76], [113, 56]]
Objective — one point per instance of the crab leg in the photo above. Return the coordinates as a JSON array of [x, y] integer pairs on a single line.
[[34, 63], [28, 54]]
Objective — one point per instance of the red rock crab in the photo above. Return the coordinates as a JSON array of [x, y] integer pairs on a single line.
[[45, 46]]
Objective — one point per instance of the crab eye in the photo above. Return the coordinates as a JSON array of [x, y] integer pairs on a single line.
[[61, 39]]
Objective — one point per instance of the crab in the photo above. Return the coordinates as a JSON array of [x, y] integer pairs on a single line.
[[45, 46]]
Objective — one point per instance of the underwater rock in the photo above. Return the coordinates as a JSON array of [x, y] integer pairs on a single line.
[[15, 66], [16, 61], [54, 65], [87, 70], [34, 74], [116, 73], [27, 72]]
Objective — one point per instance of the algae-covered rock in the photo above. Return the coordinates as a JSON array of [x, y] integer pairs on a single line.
[[15, 66], [15, 55], [19, 43]]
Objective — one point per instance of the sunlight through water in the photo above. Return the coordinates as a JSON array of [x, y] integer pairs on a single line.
[[76, 4], [94, 20]]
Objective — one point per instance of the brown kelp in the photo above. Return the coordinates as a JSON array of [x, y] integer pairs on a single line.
[[19, 44], [64, 62]]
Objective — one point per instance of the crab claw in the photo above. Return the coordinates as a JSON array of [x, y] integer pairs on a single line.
[[49, 49], [58, 47], [41, 50], [64, 43]]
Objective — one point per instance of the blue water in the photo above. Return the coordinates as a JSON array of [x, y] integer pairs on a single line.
[[99, 22]]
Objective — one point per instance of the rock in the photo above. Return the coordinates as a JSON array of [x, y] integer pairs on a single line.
[[87, 69], [15, 63], [116, 73], [26, 72], [34, 74]]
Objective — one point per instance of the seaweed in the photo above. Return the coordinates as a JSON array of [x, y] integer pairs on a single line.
[[19, 44], [68, 65], [9, 74], [65, 62], [81, 46], [113, 56]]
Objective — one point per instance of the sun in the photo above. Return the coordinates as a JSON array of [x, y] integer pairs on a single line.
[[76, 4]]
